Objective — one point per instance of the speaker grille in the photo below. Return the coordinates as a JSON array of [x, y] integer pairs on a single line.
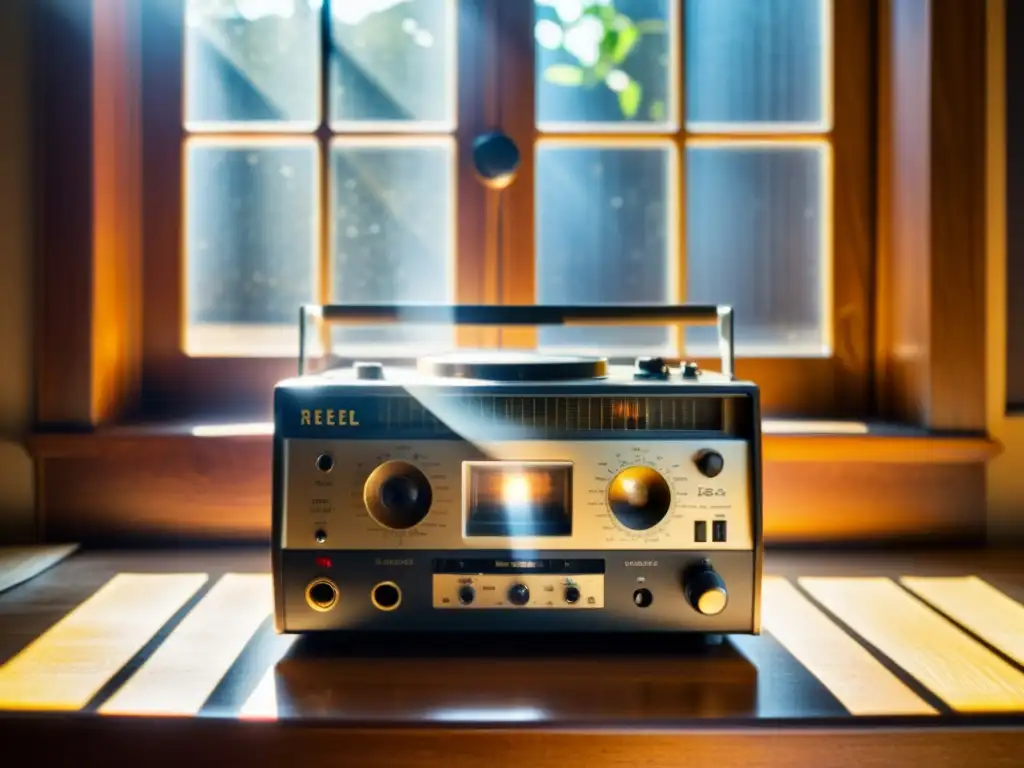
[[561, 415]]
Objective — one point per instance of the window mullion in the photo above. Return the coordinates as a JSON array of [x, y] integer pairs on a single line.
[[517, 80]]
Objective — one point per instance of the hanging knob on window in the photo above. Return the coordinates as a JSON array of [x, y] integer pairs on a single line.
[[495, 159]]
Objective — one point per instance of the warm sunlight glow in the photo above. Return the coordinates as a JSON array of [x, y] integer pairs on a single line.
[[515, 490], [69, 663], [262, 702], [812, 427], [953, 666], [234, 430], [979, 607], [841, 664], [186, 668]]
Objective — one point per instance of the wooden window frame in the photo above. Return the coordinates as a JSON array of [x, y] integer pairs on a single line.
[[909, 335], [838, 386]]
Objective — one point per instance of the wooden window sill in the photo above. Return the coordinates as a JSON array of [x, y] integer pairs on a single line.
[[824, 482], [784, 441]]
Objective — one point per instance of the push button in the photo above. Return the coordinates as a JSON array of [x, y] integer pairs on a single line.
[[700, 530], [718, 530]]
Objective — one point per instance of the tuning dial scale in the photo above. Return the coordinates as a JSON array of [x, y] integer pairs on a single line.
[[397, 495]]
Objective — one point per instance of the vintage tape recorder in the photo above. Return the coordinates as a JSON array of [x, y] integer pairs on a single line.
[[514, 491]]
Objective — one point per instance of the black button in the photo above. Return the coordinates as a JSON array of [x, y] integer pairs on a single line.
[[700, 530], [710, 463], [320, 536], [650, 368], [572, 594], [466, 594], [369, 371], [519, 594], [325, 462], [642, 598], [718, 530]]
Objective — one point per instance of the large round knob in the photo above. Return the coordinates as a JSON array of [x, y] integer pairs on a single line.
[[705, 590], [397, 495], [639, 497]]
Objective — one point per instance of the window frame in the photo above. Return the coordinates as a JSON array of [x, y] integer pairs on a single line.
[[242, 385], [176, 385], [107, 471], [835, 387]]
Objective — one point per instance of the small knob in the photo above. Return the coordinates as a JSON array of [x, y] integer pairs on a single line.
[[369, 371], [650, 368], [320, 536], [709, 463], [518, 594], [643, 598], [466, 594], [572, 594], [705, 590]]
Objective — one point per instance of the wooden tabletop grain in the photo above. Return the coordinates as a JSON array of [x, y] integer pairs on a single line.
[[187, 667]]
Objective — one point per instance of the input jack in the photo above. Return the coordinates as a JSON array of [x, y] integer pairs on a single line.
[[322, 595], [386, 596]]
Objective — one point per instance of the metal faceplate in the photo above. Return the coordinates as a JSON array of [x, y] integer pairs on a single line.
[[326, 510]]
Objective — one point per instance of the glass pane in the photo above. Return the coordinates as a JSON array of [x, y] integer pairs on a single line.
[[252, 64], [605, 234], [756, 61], [607, 63], [755, 239], [393, 236], [251, 245], [393, 61]]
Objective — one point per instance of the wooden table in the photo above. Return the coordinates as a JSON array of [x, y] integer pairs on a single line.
[[185, 668]]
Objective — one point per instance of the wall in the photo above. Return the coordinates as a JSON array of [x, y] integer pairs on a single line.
[[16, 279], [1005, 352]]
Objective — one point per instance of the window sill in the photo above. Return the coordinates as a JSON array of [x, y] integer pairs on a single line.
[[784, 441], [824, 483]]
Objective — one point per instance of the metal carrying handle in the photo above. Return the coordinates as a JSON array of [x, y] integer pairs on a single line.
[[720, 316]]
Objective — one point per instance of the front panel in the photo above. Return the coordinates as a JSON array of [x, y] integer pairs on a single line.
[[662, 575], [575, 514], [328, 510]]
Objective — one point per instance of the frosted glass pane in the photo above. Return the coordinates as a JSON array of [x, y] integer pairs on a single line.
[[606, 63], [393, 61], [252, 64], [393, 236], [604, 221], [251, 245], [755, 239], [755, 61]]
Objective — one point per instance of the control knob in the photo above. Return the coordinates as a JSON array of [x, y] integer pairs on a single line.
[[397, 495], [519, 594], [709, 463], [705, 590], [639, 497], [368, 371]]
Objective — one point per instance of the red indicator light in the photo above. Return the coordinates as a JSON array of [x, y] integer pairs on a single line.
[[323, 562]]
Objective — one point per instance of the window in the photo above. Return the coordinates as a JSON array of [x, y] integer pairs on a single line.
[[696, 150], [756, 210], [348, 197]]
